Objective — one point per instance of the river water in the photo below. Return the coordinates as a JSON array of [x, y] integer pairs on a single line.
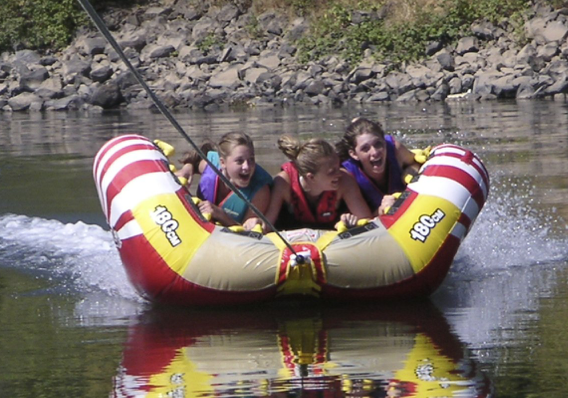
[[71, 325]]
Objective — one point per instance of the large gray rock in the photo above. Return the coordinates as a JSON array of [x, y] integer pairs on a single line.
[[555, 31], [75, 67], [203, 28], [32, 79], [101, 72], [315, 87], [228, 78], [228, 13], [50, 88], [134, 39], [26, 57], [91, 45], [23, 101], [158, 51], [446, 60], [72, 102], [467, 45], [106, 96]]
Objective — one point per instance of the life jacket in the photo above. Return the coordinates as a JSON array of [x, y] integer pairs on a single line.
[[371, 192], [232, 205], [299, 213]]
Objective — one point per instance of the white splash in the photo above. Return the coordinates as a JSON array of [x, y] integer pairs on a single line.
[[81, 258], [504, 267]]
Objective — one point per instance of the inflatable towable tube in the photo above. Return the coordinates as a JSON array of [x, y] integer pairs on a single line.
[[172, 254]]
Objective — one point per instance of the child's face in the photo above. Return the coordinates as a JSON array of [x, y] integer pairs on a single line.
[[239, 165], [328, 175], [370, 150]]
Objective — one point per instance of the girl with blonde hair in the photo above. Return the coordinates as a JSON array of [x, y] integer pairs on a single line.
[[234, 156], [312, 190]]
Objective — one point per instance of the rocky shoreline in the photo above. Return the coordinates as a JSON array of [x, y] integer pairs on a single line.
[[178, 50]]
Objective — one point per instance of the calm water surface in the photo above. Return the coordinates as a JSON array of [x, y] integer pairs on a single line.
[[71, 325]]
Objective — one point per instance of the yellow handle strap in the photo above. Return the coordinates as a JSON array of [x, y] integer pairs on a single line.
[[166, 148], [240, 228], [196, 202], [421, 155], [341, 227], [170, 151], [234, 228], [182, 181], [396, 196]]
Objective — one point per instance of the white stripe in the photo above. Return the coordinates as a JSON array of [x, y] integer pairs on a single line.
[[457, 163], [479, 163], [448, 189], [446, 149], [125, 160], [471, 209], [140, 189], [112, 151], [130, 229], [459, 231], [112, 142], [134, 140]]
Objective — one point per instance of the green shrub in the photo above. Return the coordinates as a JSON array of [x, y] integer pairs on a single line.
[[43, 24], [398, 40], [210, 41]]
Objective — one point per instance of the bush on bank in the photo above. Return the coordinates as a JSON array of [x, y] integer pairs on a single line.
[[42, 24], [394, 31], [400, 31]]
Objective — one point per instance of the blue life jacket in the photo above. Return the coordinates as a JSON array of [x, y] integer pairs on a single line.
[[231, 204]]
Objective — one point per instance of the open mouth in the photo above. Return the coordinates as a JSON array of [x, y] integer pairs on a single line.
[[377, 163], [245, 177]]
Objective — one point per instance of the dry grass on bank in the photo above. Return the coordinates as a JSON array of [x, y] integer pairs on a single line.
[[393, 11], [401, 32]]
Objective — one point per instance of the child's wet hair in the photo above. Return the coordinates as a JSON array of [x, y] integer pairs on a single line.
[[226, 144], [231, 140], [306, 156]]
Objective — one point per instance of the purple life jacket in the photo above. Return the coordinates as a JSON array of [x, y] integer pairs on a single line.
[[371, 192]]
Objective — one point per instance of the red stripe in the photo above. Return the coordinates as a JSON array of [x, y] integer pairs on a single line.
[[128, 174], [185, 198], [459, 176], [481, 170], [120, 153], [467, 158], [389, 220], [284, 260], [124, 218], [315, 257], [465, 220], [287, 353], [117, 140]]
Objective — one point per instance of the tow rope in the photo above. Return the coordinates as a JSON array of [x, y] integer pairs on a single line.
[[99, 23]]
